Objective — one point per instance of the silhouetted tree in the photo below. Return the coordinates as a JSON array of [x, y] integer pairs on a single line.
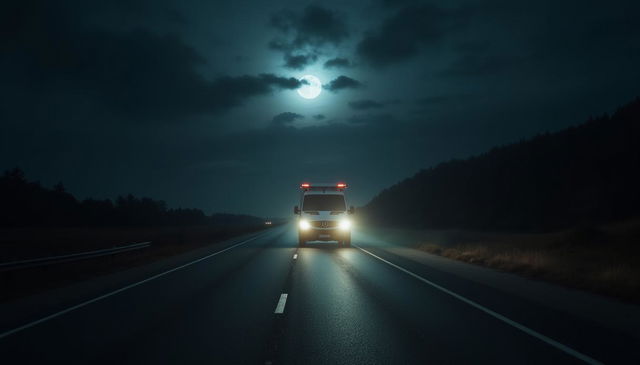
[[579, 176], [27, 204]]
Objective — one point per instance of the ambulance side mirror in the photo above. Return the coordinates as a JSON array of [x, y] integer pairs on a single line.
[[296, 210], [352, 210]]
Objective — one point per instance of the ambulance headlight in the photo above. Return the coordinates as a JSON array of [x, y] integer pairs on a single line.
[[304, 224], [345, 224]]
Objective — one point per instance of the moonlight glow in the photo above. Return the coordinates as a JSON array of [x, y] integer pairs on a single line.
[[311, 87]]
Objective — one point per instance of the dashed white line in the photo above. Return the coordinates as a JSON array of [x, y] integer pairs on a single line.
[[295, 256], [523, 328], [83, 304], [281, 304]]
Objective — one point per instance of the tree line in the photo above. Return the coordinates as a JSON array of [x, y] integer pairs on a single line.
[[28, 204], [580, 176]]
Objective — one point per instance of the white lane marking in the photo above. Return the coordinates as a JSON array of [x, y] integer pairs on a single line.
[[77, 306], [281, 303], [295, 256], [523, 328]]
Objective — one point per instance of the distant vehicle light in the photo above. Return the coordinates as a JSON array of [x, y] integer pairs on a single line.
[[305, 186], [304, 224], [341, 185], [345, 224], [268, 223]]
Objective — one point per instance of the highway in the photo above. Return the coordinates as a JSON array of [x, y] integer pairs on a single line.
[[262, 300]]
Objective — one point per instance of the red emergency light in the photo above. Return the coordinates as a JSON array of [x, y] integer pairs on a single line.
[[308, 186]]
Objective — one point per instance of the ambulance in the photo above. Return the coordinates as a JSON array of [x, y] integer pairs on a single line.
[[323, 214]]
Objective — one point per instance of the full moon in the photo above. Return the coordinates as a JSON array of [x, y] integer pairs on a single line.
[[311, 87]]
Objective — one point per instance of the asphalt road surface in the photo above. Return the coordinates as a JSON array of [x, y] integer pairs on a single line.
[[262, 300]]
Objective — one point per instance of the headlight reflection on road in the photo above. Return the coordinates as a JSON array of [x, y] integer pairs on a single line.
[[347, 254]]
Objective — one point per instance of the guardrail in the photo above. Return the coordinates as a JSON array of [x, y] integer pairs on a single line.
[[42, 261]]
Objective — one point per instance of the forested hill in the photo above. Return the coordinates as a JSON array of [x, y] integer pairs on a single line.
[[579, 176], [28, 204]]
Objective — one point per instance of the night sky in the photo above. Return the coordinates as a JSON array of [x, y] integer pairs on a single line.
[[196, 103]]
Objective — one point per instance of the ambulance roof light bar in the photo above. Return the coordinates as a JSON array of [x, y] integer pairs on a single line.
[[309, 186]]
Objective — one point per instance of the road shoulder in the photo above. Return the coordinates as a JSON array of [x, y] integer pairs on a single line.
[[22, 310], [607, 312]]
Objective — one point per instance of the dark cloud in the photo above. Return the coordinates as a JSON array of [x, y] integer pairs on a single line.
[[398, 3], [285, 118], [365, 104], [319, 117], [337, 63], [445, 103], [372, 119], [481, 64], [279, 45], [316, 26], [440, 99], [342, 82], [137, 74], [302, 35], [227, 92], [299, 62], [405, 33], [278, 81]]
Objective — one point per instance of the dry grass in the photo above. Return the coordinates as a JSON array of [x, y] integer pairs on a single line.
[[604, 260]]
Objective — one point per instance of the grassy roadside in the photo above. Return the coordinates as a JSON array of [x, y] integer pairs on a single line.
[[30, 243], [604, 260]]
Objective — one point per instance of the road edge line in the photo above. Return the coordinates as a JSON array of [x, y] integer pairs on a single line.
[[127, 287], [564, 348]]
